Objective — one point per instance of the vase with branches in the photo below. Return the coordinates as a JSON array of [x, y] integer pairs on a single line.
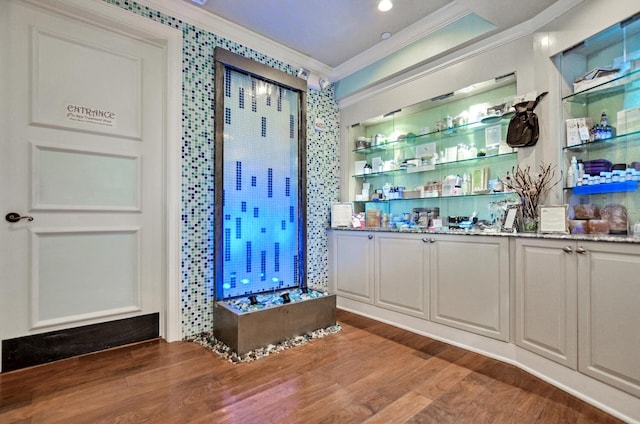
[[532, 187]]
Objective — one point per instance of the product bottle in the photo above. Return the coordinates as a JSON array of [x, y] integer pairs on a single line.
[[473, 152], [461, 155], [606, 130], [580, 169], [386, 190], [457, 186], [574, 165], [604, 121], [571, 177], [466, 184]]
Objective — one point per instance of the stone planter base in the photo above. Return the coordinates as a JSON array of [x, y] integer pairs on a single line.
[[244, 332]]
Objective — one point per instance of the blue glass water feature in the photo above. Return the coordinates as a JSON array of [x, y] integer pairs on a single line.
[[260, 237]]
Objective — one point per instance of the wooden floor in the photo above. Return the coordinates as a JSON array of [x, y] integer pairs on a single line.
[[367, 373]]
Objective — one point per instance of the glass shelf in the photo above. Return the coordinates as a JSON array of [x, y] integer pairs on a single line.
[[464, 162], [467, 196], [620, 187], [447, 134], [620, 141], [605, 89]]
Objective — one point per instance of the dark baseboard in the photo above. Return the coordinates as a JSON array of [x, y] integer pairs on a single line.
[[27, 351]]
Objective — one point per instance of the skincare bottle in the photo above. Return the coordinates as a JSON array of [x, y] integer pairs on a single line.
[[473, 152]]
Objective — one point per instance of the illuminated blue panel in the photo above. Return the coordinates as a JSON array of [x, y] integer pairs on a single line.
[[260, 145]]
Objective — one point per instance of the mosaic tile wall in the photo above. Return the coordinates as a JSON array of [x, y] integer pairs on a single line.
[[197, 166]]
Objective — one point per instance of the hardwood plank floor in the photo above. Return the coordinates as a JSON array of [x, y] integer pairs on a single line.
[[369, 372]]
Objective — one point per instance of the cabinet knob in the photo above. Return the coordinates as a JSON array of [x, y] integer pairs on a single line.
[[425, 240], [370, 236], [581, 250], [567, 249], [432, 240]]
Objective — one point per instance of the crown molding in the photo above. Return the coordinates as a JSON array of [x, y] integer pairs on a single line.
[[201, 18], [415, 32], [479, 47]]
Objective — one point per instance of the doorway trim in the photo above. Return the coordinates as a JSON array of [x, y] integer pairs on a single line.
[[114, 18]]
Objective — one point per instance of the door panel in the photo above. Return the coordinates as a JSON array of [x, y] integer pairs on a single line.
[[402, 270], [93, 287], [81, 96], [76, 180], [608, 319], [352, 265], [546, 299], [470, 284]]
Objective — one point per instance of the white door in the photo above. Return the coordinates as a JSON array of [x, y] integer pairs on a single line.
[[82, 154]]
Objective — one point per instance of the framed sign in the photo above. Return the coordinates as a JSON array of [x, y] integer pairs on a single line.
[[341, 214], [553, 219], [509, 221]]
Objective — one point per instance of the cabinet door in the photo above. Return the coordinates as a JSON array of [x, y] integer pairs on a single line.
[[470, 284], [352, 264], [401, 281], [608, 315], [546, 279]]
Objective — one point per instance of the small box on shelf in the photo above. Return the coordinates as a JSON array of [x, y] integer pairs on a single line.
[[578, 131]]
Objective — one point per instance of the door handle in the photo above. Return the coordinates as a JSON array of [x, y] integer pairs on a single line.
[[15, 217]]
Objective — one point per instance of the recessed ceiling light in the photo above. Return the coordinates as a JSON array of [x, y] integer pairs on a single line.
[[385, 5], [385, 35]]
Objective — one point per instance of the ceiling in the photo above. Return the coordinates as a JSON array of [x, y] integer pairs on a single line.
[[339, 32]]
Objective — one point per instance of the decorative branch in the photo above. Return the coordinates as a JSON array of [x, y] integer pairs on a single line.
[[531, 188]]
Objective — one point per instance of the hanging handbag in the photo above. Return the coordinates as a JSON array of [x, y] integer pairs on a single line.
[[523, 128]]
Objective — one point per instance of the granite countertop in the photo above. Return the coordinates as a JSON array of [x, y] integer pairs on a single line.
[[554, 236]]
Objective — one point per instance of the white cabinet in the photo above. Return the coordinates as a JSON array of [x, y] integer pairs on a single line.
[[459, 281], [577, 304], [402, 273], [351, 263], [545, 296], [470, 284], [609, 314]]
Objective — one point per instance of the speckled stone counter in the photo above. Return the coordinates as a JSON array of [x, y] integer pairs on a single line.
[[552, 236]]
